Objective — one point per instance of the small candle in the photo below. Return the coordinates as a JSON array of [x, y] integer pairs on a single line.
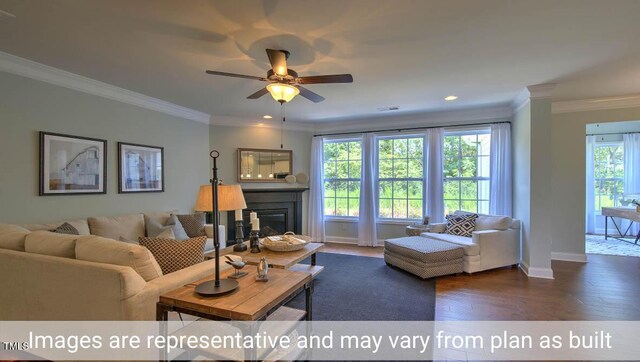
[[255, 224], [238, 215], [253, 215]]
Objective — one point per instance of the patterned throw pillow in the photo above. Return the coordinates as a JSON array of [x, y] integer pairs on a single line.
[[461, 225], [193, 224], [173, 255], [66, 228]]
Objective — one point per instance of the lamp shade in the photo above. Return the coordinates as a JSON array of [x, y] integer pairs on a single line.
[[282, 92], [230, 197]]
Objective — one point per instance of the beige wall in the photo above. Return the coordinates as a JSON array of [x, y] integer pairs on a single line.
[[28, 106], [227, 139], [568, 174]]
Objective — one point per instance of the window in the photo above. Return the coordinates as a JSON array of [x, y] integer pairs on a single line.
[[466, 171], [400, 178], [608, 166], [342, 167]]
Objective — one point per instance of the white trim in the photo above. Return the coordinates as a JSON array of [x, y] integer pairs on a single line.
[[460, 117], [521, 100], [575, 257], [23, 67], [595, 104], [541, 91], [340, 240], [354, 220], [259, 123], [347, 240], [543, 273], [342, 219]]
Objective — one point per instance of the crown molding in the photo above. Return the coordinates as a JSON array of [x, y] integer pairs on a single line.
[[27, 68], [521, 100], [448, 118], [541, 91], [596, 104], [261, 123]]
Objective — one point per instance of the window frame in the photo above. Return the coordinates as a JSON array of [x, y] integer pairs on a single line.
[[459, 179], [348, 179], [598, 180], [423, 179]]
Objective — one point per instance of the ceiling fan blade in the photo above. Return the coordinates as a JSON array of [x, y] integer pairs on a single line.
[[333, 78], [258, 94], [213, 72], [312, 96], [278, 60]]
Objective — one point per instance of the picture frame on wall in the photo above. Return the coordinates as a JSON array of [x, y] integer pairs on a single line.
[[140, 168], [72, 165]]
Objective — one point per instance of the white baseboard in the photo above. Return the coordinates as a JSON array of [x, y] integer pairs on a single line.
[[346, 240], [340, 240], [575, 257], [543, 273]]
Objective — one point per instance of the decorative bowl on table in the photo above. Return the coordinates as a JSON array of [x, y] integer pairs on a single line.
[[287, 242]]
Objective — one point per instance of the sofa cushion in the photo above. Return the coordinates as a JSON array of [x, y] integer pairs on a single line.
[[461, 225], [470, 248], [53, 244], [81, 225], [423, 250], [130, 227], [173, 255], [66, 228], [12, 237], [102, 250], [490, 222], [193, 224]]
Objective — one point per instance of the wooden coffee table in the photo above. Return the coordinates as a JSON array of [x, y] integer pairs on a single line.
[[251, 301], [280, 259]]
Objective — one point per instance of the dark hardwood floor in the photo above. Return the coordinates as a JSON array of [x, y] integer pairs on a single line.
[[605, 288]]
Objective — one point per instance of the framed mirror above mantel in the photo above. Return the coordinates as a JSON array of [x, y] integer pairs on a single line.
[[264, 165]]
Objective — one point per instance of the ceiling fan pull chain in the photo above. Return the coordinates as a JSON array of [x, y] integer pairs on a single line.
[[282, 126]]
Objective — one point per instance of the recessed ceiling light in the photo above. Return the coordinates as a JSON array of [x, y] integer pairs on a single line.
[[450, 98], [266, 116]]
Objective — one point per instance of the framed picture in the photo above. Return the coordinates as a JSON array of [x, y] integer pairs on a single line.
[[140, 168], [72, 165]]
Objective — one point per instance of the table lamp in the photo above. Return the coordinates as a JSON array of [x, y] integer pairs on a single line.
[[216, 198]]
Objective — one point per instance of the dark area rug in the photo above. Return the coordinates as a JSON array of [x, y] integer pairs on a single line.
[[358, 288]]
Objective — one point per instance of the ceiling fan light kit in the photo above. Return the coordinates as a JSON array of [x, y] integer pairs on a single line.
[[282, 92]]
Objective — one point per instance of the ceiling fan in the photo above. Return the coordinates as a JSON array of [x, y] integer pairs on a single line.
[[284, 83]]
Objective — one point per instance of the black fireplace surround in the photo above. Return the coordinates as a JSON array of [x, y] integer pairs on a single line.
[[279, 211]]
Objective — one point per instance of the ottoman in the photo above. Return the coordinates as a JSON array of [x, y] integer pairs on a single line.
[[424, 257]]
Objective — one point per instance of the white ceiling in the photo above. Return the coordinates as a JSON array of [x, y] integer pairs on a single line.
[[401, 53]]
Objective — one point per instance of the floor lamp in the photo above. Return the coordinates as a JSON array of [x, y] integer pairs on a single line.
[[216, 198]]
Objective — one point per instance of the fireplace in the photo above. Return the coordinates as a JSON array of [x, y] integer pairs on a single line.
[[279, 211]]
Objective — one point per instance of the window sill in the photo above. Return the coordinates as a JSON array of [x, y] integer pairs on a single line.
[[340, 219], [354, 220], [405, 222]]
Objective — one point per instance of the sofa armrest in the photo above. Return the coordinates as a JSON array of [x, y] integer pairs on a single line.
[[498, 247], [142, 305], [437, 228]]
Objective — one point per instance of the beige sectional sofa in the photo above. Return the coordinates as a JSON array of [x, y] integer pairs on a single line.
[[50, 276]]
